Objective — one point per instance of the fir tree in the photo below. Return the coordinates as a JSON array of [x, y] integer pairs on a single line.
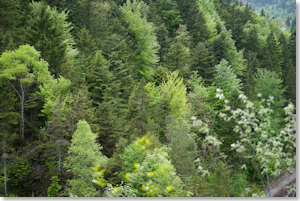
[[49, 32], [138, 112], [203, 62], [273, 54], [178, 56], [83, 154]]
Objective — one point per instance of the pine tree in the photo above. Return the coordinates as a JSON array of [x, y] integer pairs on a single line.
[[109, 126], [100, 79], [85, 43], [8, 119], [163, 40], [178, 56], [183, 148], [138, 112], [293, 25], [288, 21], [198, 28], [290, 82], [143, 40], [49, 32], [203, 62], [273, 54], [249, 83]]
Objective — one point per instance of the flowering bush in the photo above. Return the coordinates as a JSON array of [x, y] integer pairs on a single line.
[[271, 152]]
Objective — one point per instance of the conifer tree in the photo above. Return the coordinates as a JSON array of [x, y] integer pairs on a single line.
[[144, 44], [183, 147], [163, 40], [49, 32], [85, 43], [83, 154], [203, 62], [290, 82], [138, 109], [178, 56], [273, 54], [198, 28], [8, 119], [100, 79]]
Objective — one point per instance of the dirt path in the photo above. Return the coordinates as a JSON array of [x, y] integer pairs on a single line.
[[278, 187]]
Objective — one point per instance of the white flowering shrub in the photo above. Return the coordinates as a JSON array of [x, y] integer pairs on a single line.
[[271, 152]]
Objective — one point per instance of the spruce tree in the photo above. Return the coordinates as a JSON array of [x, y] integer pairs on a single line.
[[272, 59], [163, 40], [83, 154], [143, 40], [138, 109], [203, 62], [49, 32], [178, 56], [85, 43]]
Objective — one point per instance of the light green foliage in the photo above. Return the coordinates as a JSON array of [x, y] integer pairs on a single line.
[[122, 190], [268, 83], [54, 187], [132, 154], [82, 155], [24, 64], [212, 18], [144, 42], [49, 32], [164, 174], [173, 94], [270, 151], [52, 91], [226, 79]]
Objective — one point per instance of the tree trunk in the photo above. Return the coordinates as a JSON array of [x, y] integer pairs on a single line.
[[22, 112], [4, 157], [142, 120], [59, 159]]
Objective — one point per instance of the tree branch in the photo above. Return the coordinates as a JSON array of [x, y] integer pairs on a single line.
[[14, 89]]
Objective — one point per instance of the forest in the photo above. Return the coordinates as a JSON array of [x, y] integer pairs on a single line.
[[152, 98]]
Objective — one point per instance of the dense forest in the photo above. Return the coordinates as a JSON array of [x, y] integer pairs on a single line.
[[275, 8], [161, 98]]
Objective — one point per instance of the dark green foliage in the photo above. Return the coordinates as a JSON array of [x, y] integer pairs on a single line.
[[272, 58], [85, 43], [198, 28], [249, 83], [293, 25], [163, 40], [138, 109], [109, 126], [203, 62], [21, 181], [219, 181], [48, 31], [183, 147]]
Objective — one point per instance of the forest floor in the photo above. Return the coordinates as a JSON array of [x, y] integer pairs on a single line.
[[278, 188]]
